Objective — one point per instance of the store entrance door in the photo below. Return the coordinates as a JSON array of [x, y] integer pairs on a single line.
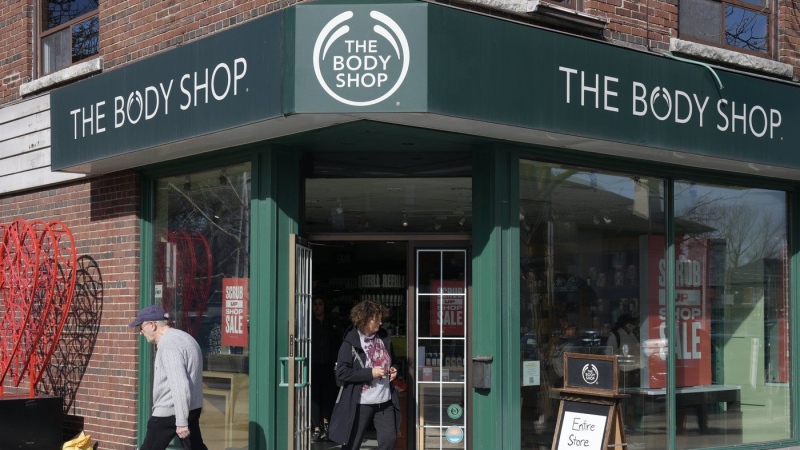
[[299, 341], [424, 281], [441, 300]]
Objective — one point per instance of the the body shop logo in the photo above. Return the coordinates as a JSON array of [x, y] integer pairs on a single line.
[[364, 65], [590, 374]]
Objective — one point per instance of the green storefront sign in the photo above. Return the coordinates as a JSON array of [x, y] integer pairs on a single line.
[[218, 83], [382, 60], [361, 58]]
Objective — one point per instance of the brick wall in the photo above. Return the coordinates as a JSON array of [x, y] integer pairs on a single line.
[[789, 33], [638, 23], [95, 365], [16, 22], [134, 30]]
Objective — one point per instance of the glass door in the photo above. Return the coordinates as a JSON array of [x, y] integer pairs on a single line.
[[299, 405], [441, 378]]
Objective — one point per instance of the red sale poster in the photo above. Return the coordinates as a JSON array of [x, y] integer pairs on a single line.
[[235, 298], [447, 309], [692, 342]]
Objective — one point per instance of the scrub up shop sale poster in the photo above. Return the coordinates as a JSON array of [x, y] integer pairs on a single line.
[[235, 299], [692, 344]]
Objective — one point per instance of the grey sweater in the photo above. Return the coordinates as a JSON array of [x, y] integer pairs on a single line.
[[178, 377]]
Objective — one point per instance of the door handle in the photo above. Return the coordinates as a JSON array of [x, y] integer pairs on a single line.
[[303, 371]]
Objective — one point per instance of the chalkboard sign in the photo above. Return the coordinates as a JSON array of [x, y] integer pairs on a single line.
[[583, 425], [590, 416], [596, 374]]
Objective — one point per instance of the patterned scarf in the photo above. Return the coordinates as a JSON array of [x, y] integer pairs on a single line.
[[377, 355]]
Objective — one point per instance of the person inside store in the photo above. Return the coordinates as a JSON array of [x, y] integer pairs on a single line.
[[177, 383], [622, 342], [567, 341], [365, 367], [324, 345]]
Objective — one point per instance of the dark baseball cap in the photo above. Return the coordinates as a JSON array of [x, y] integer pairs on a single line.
[[152, 313]]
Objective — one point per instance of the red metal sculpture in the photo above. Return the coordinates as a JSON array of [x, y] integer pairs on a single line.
[[37, 283]]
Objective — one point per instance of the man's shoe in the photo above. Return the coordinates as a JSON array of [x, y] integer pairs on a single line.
[[316, 436]]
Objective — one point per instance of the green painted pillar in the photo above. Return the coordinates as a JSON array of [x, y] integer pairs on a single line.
[[277, 208], [495, 296]]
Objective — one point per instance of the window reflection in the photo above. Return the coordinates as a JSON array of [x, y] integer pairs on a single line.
[[586, 238], [592, 254], [744, 311], [745, 29], [202, 269]]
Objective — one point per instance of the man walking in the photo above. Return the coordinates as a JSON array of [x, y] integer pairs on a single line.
[[177, 383]]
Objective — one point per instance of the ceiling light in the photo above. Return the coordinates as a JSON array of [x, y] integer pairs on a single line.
[[437, 225], [606, 219], [462, 221], [405, 220], [596, 220]]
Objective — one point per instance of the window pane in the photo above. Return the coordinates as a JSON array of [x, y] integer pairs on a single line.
[[587, 240], [745, 28], [84, 39], [376, 205], [58, 12], [202, 271], [697, 18], [354, 192], [733, 313], [55, 52]]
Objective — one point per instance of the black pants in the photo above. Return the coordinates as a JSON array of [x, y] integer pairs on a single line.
[[382, 416], [161, 431], [323, 393]]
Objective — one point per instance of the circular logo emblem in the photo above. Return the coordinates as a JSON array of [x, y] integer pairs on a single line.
[[454, 411], [590, 374], [361, 63], [454, 435]]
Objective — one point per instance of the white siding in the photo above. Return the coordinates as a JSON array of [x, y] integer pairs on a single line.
[[25, 147]]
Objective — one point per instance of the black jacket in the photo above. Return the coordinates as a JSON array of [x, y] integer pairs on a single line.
[[353, 376]]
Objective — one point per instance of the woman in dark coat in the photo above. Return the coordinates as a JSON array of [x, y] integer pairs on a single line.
[[365, 367]]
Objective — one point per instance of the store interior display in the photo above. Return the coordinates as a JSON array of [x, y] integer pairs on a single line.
[[346, 273]]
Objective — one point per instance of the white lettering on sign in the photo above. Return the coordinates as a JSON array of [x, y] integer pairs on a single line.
[[375, 62], [234, 292], [233, 324], [150, 102], [581, 431], [670, 105], [688, 307]]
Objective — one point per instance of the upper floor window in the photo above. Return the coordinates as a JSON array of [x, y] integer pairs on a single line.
[[69, 33], [742, 25]]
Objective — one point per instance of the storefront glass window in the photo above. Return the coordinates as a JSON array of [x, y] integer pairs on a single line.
[[589, 241], [388, 192], [732, 313], [202, 271]]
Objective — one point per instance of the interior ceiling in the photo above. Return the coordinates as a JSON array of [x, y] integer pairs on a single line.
[[375, 177]]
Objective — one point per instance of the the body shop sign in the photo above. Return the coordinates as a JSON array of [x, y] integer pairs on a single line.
[[692, 339], [205, 86], [361, 56], [235, 299]]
